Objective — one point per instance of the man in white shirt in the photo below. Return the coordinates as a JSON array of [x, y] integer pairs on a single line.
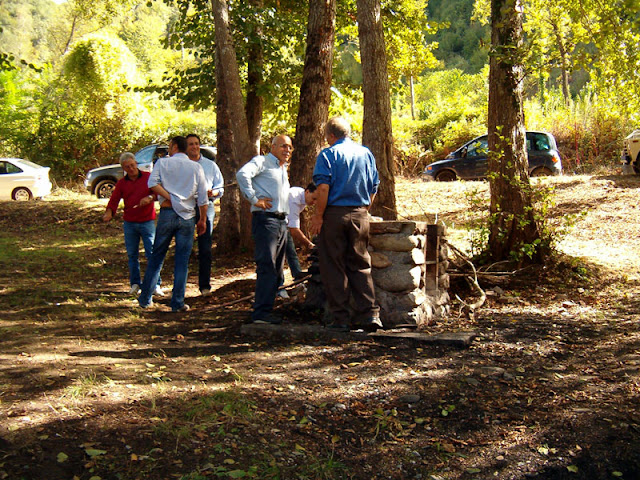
[[299, 198], [215, 190], [177, 181]]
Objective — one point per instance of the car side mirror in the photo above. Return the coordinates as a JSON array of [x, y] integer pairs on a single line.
[[463, 153]]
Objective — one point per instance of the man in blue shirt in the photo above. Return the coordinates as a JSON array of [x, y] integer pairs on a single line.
[[215, 190], [347, 181], [265, 183], [177, 181]]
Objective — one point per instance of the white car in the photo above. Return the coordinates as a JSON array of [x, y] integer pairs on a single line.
[[23, 180], [631, 153]]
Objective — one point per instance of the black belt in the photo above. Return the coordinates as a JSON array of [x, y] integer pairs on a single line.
[[278, 215]]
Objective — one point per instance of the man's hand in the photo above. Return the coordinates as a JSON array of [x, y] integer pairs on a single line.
[[145, 201], [108, 215], [316, 224], [201, 226], [263, 203]]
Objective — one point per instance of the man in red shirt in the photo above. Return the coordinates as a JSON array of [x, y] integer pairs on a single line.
[[139, 216]]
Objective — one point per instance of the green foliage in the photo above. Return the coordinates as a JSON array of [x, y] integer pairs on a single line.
[[462, 41], [588, 131], [100, 66], [552, 229]]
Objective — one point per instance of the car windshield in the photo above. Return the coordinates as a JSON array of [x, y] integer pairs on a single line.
[[145, 155]]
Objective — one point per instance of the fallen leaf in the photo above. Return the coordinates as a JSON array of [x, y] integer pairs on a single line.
[[572, 469], [92, 452], [62, 457]]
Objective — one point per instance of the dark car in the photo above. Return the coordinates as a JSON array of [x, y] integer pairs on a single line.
[[102, 180], [471, 160]]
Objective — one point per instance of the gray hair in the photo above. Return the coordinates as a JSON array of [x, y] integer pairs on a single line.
[[126, 156], [338, 127]]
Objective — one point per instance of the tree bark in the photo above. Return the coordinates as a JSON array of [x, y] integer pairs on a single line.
[[315, 91], [255, 79], [512, 222], [564, 63], [229, 231], [376, 128], [236, 221]]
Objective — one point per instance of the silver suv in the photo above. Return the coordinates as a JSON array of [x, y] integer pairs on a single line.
[[102, 180]]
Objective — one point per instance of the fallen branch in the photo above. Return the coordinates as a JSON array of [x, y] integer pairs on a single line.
[[473, 282]]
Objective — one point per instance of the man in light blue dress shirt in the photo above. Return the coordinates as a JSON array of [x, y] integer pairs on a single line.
[[215, 190], [177, 181], [265, 183]]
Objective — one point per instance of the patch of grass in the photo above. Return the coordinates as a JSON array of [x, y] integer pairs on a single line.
[[86, 385], [197, 415]]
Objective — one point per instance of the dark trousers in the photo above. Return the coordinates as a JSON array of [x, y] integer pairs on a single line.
[[345, 264], [292, 257], [270, 238], [204, 254]]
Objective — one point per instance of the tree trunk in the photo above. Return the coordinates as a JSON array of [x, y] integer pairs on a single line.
[[564, 63], [242, 148], [228, 229], [376, 128], [255, 79], [315, 91], [512, 225]]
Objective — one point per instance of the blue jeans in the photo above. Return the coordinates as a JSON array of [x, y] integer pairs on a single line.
[[133, 233], [204, 249], [270, 238], [292, 256], [170, 225]]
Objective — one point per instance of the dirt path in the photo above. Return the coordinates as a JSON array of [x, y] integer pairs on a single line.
[[92, 388]]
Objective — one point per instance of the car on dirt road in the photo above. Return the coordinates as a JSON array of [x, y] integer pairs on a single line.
[[471, 162], [102, 180], [23, 180]]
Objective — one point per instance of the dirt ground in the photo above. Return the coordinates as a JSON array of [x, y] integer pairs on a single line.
[[93, 388]]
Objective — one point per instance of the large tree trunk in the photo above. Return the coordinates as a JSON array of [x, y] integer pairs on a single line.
[[376, 128], [315, 91], [229, 224], [255, 79], [242, 146], [512, 224]]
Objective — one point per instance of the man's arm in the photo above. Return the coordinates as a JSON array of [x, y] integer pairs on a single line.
[[372, 198], [300, 238], [217, 189], [201, 226], [321, 204], [244, 176], [161, 192]]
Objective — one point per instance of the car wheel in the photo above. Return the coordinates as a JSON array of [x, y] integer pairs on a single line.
[[21, 194], [104, 188], [541, 172], [446, 176]]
